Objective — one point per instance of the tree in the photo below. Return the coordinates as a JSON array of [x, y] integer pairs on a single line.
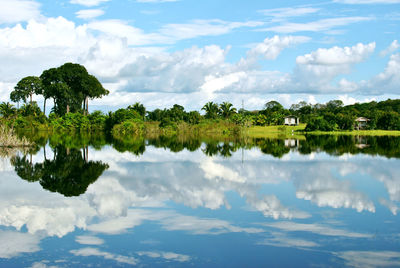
[[71, 87], [273, 106], [138, 107], [55, 87], [227, 109], [7, 109], [333, 105], [25, 88], [211, 110]]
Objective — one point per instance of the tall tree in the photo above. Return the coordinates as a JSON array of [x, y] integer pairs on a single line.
[[211, 110], [7, 109], [25, 88], [71, 87], [227, 109], [138, 107]]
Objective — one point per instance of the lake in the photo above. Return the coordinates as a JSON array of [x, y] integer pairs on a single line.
[[315, 201]]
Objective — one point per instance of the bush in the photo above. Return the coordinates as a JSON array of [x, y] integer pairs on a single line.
[[133, 126]]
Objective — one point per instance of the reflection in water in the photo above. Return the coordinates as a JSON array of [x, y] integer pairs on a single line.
[[68, 173], [136, 203], [332, 144]]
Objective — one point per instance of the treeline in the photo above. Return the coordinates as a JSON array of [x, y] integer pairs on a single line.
[[137, 119], [70, 87], [384, 115]]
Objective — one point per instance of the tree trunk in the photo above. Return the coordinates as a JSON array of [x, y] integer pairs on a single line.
[[44, 106], [30, 95], [67, 108], [87, 105]]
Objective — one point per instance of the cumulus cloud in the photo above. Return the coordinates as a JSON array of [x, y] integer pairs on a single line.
[[337, 55], [16, 243], [272, 47], [89, 13], [389, 79], [390, 49], [324, 191], [18, 10], [317, 69]]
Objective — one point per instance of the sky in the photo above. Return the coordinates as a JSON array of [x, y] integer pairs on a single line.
[[189, 52]]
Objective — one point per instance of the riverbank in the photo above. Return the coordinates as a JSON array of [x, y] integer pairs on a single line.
[[8, 138]]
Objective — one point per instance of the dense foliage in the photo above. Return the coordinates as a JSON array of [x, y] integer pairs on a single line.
[[71, 86]]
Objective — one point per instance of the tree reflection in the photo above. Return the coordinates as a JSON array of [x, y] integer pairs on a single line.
[[68, 173]]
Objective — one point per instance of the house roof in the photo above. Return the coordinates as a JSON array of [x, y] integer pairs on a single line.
[[291, 116], [362, 119]]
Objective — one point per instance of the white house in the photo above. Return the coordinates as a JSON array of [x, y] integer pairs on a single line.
[[361, 122], [291, 120]]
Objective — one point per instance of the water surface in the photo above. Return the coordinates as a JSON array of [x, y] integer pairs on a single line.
[[316, 201]]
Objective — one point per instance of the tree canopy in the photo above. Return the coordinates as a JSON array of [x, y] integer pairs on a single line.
[[70, 86]]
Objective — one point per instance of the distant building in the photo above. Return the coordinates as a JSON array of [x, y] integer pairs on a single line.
[[291, 120], [361, 123], [291, 143]]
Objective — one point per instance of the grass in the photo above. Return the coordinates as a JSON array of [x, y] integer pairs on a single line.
[[358, 133], [9, 139], [276, 131], [298, 132]]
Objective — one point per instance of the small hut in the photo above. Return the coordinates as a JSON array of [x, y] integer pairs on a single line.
[[291, 120], [361, 123]]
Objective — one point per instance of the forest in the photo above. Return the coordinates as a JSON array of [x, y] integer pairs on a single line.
[[70, 87]]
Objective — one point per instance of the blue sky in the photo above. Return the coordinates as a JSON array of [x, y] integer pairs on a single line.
[[161, 52]]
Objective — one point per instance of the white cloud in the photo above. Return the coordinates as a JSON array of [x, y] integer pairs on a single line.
[[388, 80], [371, 259], [18, 10], [315, 228], [281, 240], [89, 13], [215, 171], [324, 190], [391, 48], [88, 252], [88, 3], [316, 70], [89, 240], [288, 12], [198, 28], [337, 55], [315, 26], [272, 47], [16, 243], [170, 256], [392, 206]]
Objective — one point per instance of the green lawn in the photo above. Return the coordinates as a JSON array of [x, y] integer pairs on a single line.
[[275, 131], [298, 132]]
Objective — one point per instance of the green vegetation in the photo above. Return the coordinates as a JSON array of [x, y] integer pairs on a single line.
[[8, 138], [70, 87]]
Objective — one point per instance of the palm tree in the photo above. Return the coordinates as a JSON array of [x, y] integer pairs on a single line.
[[211, 109], [138, 107], [7, 109], [227, 109]]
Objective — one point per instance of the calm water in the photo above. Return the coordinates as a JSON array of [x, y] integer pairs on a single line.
[[321, 202]]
